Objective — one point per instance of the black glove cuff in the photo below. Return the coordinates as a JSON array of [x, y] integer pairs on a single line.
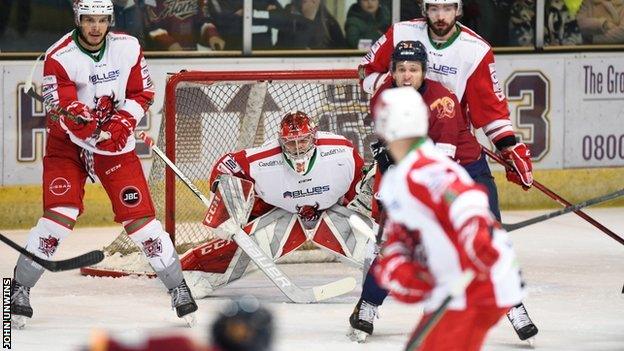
[[507, 141]]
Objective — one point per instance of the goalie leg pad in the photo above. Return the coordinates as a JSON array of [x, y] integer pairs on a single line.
[[334, 233], [43, 241], [149, 235], [364, 198], [277, 233]]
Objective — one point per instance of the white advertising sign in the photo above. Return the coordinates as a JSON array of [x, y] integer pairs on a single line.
[[594, 128], [568, 108]]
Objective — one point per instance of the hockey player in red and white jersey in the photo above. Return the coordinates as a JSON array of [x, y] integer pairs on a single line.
[[462, 61], [96, 88], [439, 225], [302, 182], [451, 134]]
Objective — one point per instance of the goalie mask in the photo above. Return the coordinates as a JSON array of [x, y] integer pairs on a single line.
[[93, 7], [297, 137]]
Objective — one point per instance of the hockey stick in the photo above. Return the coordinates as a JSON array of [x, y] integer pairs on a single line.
[[559, 199], [457, 288], [30, 91], [270, 269], [358, 224], [513, 226], [83, 260]]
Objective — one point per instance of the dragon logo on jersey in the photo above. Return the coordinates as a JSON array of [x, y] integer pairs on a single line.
[[152, 247], [445, 107], [309, 213], [105, 106], [48, 245]]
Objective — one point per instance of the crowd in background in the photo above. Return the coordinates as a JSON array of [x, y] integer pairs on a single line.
[[31, 25]]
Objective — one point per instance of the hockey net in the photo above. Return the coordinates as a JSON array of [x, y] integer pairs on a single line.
[[208, 114]]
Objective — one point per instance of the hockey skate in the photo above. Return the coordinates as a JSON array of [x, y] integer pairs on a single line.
[[522, 323], [20, 305], [361, 321], [183, 302]]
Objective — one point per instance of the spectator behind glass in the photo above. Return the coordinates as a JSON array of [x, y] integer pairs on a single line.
[[180, 25], [521, 18], [22, 15], [228, 17], [366, 21], [602, 21], [487, 17], [560, 27], [410, 9], [27, 25], [309, 25], [129, 18]]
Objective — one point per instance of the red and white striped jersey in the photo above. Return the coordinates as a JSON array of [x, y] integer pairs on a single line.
[[335, 169], [118, 71], [465, 65], [447, 215]]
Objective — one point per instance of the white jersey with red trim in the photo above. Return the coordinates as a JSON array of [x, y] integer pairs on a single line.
[[429, 193], [118, 71], [333, 172], [465, 65]]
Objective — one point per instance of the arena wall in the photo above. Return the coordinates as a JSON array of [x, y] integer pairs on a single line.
[[569, 106]]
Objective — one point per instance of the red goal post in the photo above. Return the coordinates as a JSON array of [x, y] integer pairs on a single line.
[[207, 114]]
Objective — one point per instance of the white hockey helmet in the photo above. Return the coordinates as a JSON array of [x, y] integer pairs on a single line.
[[439, 2], [401, 113], [93, 7]]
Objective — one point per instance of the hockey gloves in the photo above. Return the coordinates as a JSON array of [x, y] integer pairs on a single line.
[[120, 126], [104, 108], [79, 120], [476, 238], [399, 269], [380, 154], [519, 158]]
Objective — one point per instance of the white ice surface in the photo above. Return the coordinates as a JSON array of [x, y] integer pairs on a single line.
[[575, 276]]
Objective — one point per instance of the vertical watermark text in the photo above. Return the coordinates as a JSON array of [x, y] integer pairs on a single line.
[[6, 313]]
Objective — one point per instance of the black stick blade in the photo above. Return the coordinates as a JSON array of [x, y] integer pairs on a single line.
[[83, 260], [88, 259]]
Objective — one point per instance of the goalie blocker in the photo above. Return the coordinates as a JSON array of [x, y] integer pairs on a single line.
[[277, 233]]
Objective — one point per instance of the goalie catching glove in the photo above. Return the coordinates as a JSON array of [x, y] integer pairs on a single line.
[[519, 158], [120, 126], [230, 206], [78, 120]]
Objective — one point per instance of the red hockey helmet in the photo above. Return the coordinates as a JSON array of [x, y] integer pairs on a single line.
[[297, 137]]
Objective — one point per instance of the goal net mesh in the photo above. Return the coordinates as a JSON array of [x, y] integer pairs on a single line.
[[208, 114]]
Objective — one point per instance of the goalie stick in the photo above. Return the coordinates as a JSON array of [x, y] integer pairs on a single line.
[[559, 199], [514, 226], [264, 263], [457, 288], [83, 260], [30, 91]]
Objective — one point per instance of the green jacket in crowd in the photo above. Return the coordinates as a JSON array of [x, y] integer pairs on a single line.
[[363, 25]]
